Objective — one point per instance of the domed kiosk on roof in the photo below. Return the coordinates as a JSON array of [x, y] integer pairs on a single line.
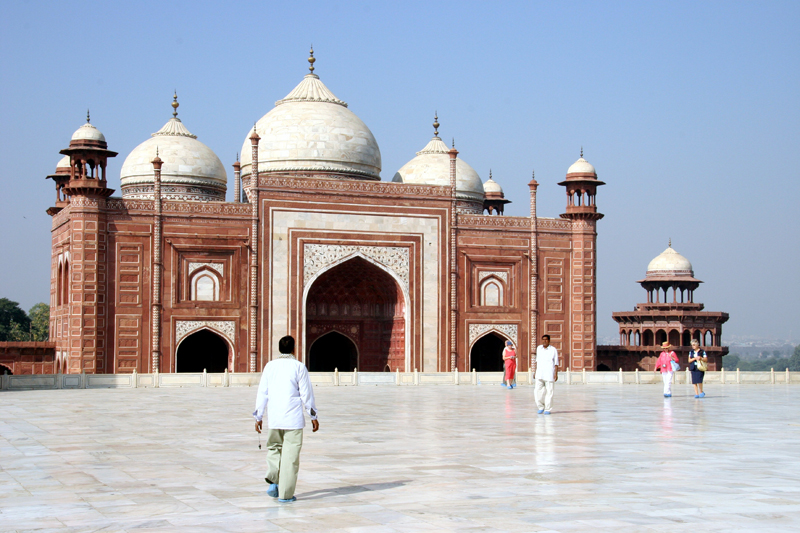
[[431, 166], [311, 132], [495, 199], [191, 170]]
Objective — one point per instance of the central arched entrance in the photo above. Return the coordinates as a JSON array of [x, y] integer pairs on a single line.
[[332, 351], [487, 353], [202, 349], [361, 299]]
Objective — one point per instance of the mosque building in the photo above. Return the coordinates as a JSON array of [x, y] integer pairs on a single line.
[[669, 315], [421, 272]]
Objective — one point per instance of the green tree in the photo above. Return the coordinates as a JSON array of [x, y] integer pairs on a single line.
[[730, 361], [12, 318], [40, 322], [794, 360]]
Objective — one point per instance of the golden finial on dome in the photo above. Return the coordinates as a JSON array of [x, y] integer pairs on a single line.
[[175, 104], [670, 242], [88, 121], [436, 123], [581, 152], [311, 60]]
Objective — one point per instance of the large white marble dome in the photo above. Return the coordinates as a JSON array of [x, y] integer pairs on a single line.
[[311, 131], [190, 170], [431, 166]]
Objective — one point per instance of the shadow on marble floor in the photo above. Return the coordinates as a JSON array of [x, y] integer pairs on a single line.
[[351, 489]]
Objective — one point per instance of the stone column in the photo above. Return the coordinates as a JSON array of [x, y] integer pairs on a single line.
[[254, 138], [237, 180], [155, 270], [453, 265], [533, 298]]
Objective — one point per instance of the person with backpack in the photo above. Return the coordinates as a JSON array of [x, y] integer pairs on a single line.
[[667, 363], [698, 364]]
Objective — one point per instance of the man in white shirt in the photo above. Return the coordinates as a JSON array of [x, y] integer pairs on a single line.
[[546, 375], [284, 391]]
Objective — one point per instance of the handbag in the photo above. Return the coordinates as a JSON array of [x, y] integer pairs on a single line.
[[675, 366], [701, 364]]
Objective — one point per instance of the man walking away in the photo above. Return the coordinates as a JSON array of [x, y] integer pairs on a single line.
[[546, 375], [284, 390]]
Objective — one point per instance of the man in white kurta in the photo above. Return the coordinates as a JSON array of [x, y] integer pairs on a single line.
[[285, 390], [546, 375]]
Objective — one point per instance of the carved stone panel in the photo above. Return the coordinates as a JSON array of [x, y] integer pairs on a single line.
[[477, 330], [318, 256], [183, 328]]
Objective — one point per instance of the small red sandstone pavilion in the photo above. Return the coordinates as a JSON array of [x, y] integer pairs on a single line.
[[670, 314]]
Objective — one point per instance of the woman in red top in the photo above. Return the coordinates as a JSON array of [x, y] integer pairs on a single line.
[[664, 364], [510, 363]]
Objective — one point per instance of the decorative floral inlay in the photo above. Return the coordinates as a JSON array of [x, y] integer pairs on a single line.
[[318, 256], [224, 327], [486, 273], [219, 267], [509, 330]]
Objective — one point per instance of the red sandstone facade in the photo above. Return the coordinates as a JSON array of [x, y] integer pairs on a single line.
[[365, 274]]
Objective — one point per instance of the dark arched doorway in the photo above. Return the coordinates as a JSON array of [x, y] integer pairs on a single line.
[[487, 353], [203, 349], [5, 370], [602, 367], [363, 300], [331, 351]]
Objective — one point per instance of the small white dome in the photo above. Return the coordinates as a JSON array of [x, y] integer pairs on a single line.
[[491, 186], [187, 163], [87, 132], [581, 166], [63, 163], [313, 131], [669, 261], [431, 166]]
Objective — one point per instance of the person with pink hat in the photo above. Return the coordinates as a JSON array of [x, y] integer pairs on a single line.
[[667, 363]]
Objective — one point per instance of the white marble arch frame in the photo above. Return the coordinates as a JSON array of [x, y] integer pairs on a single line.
[[348, 337], [224, 336], [397, 279], [483, 334]]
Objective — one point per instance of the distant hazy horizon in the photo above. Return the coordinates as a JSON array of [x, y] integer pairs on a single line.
[[688, 110]]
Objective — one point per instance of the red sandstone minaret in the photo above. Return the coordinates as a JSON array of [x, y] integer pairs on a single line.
[[579, 350], [85, 311]]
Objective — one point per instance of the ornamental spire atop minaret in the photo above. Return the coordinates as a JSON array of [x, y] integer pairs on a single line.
[[436, 124], [175, 104], [311, 60]]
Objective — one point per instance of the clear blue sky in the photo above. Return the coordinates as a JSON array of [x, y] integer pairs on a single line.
[[689, 111]]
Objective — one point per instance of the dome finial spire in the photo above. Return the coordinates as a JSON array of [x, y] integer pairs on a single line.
[[490, 173], [581, 152], [175, 104], [88, 121], [436, 123], [454, 142], [311, 60], [670, 242]]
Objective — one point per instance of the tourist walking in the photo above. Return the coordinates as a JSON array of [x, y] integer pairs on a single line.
[[546, 375], [510, 365], [667, 363], [284, 391], [698, 364]]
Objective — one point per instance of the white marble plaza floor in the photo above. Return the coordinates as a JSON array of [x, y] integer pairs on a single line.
[[406, 459]]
